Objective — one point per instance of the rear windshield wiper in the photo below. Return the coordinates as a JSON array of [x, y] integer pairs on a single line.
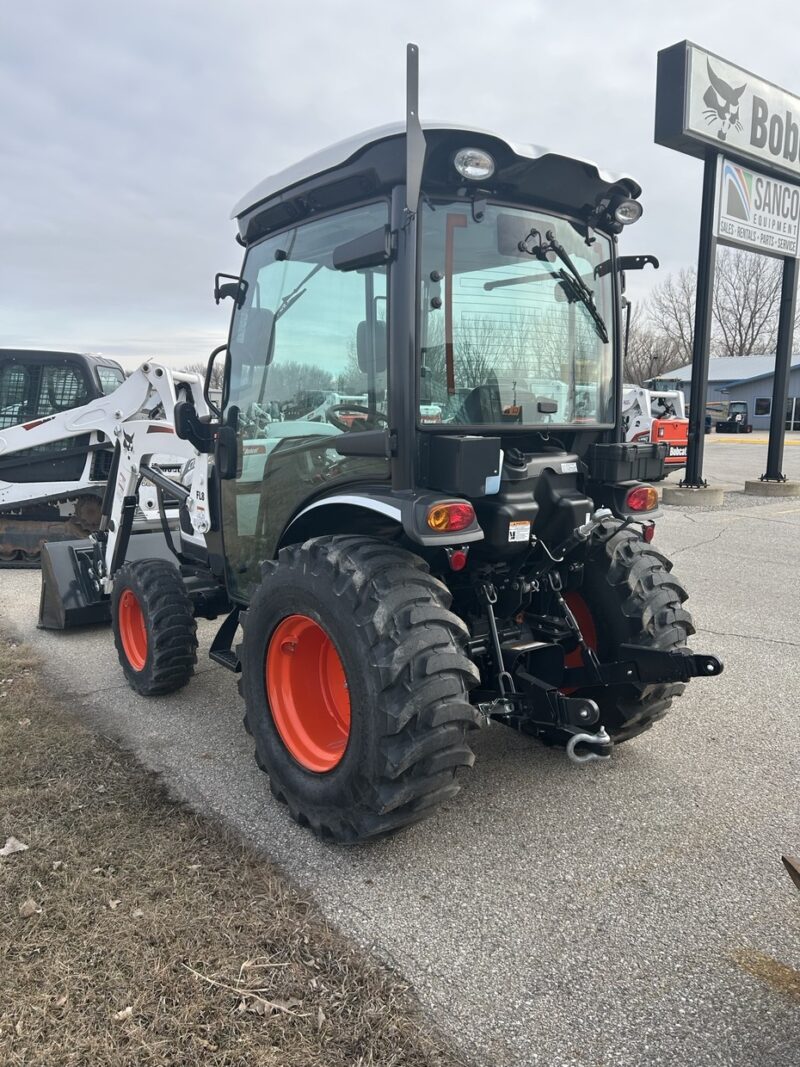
[[573, 280]]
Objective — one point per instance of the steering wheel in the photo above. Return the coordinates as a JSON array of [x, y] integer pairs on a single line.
[[377, 418]]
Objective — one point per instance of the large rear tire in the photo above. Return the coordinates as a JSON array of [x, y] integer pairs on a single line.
[[355, 682], [154, 627], [630, 596]]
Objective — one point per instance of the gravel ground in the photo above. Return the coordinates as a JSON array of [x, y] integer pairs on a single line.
[[630, 913]]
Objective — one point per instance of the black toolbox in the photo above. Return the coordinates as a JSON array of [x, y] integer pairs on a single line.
[[625, 462]]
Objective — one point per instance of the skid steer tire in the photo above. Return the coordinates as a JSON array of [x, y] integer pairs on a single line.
[[356, 681], [155, 632], [631, 597]]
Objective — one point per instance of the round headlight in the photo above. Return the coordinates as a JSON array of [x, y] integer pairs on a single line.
[[628, 211], [474, 164]]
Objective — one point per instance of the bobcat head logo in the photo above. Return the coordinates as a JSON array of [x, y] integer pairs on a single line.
[[722, 104], [127, 441]]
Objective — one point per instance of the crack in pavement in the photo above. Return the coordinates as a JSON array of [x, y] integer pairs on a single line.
[[124, 685], [699, 544], [748, 637]]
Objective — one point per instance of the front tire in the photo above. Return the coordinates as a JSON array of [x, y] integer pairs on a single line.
[[155, 632], [630, 596], [356, 682]]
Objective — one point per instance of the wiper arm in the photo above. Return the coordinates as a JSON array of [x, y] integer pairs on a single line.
[[296, 293], [576, 283], [584, 294]]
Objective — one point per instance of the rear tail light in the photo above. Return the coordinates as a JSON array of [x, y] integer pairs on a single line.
[[649, 532], [642, 498], [450, 518], [457, 557]]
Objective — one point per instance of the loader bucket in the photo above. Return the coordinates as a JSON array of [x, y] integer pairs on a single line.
[[68, 596]]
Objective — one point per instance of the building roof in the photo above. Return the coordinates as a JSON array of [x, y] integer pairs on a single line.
[[733, 368], [337, 154]]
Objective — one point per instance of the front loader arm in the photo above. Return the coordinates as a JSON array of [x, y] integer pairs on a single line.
[[148, 387]]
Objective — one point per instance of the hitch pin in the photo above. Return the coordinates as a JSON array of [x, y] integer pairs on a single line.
[[600, 738]]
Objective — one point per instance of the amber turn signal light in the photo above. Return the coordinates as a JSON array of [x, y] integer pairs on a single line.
[[642, 498], [450, 518]]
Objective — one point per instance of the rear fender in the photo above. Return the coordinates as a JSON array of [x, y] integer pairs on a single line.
[[380, 512]]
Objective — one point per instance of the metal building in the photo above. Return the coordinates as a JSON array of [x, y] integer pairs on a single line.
[[748, 378]]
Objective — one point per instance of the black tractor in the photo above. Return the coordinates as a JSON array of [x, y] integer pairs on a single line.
[[737, 420], [423, 517]]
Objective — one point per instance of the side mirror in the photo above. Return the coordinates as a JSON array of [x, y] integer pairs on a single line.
[[371, 249], [208, 383], [236, 289], [366, 358]]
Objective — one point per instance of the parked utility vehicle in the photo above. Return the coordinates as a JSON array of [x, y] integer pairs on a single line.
[[53, 490], [657, 415], [391, 581], [737, 419]]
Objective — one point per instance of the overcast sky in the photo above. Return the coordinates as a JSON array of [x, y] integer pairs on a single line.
[[129, 131]]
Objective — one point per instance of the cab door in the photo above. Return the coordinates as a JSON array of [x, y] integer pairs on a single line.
[[307, 366]]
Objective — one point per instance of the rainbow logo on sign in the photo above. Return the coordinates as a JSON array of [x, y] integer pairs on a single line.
[[737, 187]]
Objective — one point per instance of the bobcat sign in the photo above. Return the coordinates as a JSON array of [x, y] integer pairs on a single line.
[[747, 132], [704, 100]]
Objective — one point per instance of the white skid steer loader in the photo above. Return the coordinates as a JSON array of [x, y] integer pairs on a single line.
[[54, 464], [138, 420]]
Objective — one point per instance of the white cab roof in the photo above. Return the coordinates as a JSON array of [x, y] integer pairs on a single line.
[[337, 154]]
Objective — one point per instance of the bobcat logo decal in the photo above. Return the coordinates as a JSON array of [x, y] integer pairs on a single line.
[[722, 104], [127, 441]]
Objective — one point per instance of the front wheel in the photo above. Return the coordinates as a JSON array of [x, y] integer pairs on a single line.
[[630, 596], [154, 627], [355, 682]]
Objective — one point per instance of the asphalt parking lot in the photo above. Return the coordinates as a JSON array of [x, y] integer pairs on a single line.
[[630, 913]]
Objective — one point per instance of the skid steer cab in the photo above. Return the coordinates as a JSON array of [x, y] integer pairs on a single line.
[[412, 505]]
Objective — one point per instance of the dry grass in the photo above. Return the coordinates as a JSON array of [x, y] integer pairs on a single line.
[[155, 937]]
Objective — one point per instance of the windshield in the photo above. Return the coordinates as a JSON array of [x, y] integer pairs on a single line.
[[517, 319]]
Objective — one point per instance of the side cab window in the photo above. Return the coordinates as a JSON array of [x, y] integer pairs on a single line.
[[307, 365]]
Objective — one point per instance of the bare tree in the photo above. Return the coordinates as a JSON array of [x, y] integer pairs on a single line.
[[670, 311], [650, 353], [200, 368], [747, 290]]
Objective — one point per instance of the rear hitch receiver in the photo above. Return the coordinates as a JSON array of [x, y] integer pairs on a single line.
[[596, 742]]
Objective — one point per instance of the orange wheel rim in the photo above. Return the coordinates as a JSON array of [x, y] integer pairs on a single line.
[[307, 693], [132, 630], [584, 618]]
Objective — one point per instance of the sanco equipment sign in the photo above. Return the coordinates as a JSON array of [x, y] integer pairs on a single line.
[[757, 212], [704, 102]]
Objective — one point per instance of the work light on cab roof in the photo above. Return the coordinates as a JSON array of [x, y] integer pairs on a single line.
[[474, 164]]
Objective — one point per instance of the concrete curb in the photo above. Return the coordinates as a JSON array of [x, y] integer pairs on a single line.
[[708, 497], [772, 488]]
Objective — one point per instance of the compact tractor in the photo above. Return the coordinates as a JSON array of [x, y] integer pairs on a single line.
[[467, 541]]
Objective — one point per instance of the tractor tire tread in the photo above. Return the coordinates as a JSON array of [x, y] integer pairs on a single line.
[[171, 626], [651, 599], [419, 679]]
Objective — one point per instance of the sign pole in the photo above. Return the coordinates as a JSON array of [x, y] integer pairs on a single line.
[[701, 342], [783, 359]]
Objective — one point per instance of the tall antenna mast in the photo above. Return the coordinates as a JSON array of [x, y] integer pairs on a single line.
[[415, 138]]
